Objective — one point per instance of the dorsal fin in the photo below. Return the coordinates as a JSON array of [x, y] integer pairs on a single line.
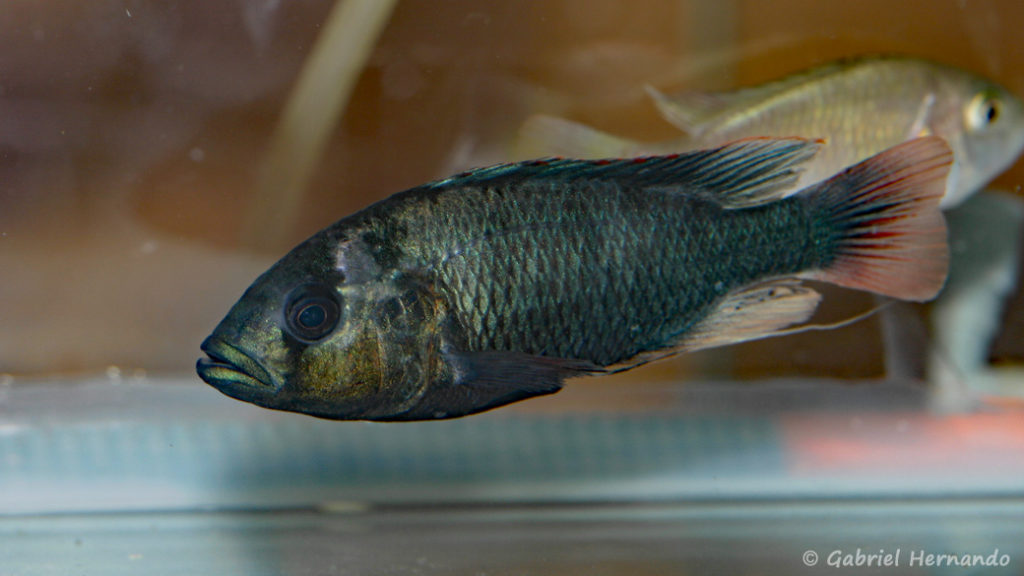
[[744, 173]]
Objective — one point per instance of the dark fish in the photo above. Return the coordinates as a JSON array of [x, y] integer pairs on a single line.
[[497, 284]]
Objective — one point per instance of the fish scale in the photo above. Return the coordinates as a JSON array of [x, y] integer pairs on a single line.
[[579, 233]]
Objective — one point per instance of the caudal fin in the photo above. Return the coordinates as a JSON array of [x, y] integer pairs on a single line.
[[892, 235]]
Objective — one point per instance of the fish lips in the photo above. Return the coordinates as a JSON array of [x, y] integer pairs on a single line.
[[234, 372]]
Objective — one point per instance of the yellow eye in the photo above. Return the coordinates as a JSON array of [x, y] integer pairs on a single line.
[[983, 111]]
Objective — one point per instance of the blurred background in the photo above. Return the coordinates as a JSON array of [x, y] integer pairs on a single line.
[[134, 140], [141, 161]]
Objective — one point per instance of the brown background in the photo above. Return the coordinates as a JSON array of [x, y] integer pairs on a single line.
[[132, 135]]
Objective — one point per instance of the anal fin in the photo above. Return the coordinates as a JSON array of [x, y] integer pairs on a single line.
[[752, 313]]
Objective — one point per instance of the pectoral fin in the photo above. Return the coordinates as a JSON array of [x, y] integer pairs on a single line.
[[485, 380], [920, 126]]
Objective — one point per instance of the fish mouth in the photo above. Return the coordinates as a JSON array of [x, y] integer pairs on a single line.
[[234, 372]]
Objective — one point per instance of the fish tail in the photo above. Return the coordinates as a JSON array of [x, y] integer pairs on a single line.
[[888, 233]]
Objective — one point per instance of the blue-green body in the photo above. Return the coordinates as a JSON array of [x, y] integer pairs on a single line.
[[495, 285], [597, 270]]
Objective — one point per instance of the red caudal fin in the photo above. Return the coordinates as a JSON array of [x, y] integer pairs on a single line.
[[891, 233]]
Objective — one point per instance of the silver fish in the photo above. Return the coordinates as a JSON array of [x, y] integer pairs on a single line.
[[859, 106]]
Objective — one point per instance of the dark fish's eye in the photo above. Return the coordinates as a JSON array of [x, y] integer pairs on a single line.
[[983, 111], [312, 311]]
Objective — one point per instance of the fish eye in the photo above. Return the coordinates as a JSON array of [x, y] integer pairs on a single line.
[[983, 111], [312, 311]]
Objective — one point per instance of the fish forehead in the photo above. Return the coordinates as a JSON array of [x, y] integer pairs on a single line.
[[255, 322]]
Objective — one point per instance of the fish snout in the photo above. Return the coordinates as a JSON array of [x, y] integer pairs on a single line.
[[233, 371]]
